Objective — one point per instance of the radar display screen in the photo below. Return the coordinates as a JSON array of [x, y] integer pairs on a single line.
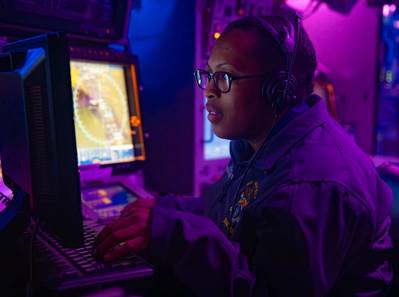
[[103, 123]]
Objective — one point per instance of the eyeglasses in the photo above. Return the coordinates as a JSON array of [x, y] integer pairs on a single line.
[[221, 80]]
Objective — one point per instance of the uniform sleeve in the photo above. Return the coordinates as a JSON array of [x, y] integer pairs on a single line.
[[295, 242], [198, 254], [187, 204], [307, 235]]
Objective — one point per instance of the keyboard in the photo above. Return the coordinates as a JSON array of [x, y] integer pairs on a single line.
[[69, 268]]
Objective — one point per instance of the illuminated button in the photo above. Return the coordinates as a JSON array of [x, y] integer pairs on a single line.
[[135, 121], [102, 192], [106, 200]]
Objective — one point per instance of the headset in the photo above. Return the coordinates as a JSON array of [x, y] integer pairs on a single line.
[[280, 91]]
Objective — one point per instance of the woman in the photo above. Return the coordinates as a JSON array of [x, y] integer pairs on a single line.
[[300, 210]]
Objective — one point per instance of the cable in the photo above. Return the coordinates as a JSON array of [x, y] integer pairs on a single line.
[[261, 148], [292, 56], [29, 285]]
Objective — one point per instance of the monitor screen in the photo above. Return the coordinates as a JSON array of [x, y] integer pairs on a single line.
[[5, 193], [108, 200], [386, 138], [103, 121]]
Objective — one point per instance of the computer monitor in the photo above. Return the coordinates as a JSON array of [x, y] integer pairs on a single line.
[[37, 135], [108, 127], [386, 124], [99, 19], [108, 123]]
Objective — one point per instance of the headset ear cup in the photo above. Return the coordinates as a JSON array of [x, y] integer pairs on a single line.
[[280, 92]]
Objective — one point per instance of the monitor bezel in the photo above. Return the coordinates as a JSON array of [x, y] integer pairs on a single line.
[[132, 82]]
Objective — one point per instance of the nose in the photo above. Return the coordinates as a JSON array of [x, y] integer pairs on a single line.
[[211, 92]]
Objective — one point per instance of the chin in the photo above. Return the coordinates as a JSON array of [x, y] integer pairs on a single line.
[[224, 133]]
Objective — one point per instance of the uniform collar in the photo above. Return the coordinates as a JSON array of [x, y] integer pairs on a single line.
[[295, 125], [240, 152], [295, 130]]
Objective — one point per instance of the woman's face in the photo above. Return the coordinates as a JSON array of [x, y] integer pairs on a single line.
[[242, 113]]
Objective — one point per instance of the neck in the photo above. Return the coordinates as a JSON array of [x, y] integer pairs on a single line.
[[257, 142]]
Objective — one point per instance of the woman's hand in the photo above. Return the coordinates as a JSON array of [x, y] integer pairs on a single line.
[[130, 233]]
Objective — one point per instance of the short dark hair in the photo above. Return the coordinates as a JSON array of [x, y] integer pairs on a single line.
[[305, 63]]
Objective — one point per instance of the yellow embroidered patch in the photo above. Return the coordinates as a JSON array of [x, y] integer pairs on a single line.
[[226, 223], [243, 202], [250, 191]]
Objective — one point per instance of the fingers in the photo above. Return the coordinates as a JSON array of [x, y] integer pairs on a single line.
[[112, 227], [132, 224], [147, 202], [131, 246], [114, 238], [121, 230], [119, 224]]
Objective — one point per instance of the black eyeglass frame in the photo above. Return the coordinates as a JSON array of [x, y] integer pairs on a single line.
[[197, 74]]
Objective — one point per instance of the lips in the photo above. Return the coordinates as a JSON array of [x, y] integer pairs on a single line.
[[214, 113]]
